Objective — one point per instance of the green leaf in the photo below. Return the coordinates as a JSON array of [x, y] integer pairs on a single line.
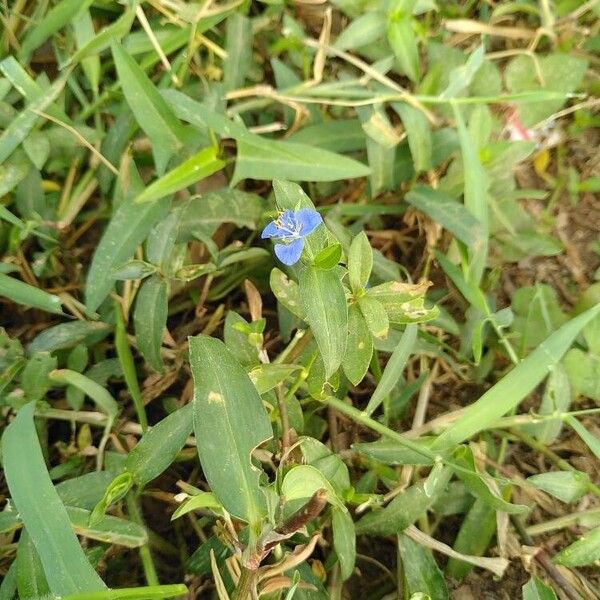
[[329, 257], [86, 490], [301, 482], [477, 485], [198, 167], [83, 28], [12, 172], [28, 295], [268, 376], [262, 158], [585, 551], [344, 541], [236, 335], [8, 585], [567, 486], [149, 107], [102, 40], [375, 315], [583, 371], [108, 529], [343, 135], [360, 262], [151, 592], [404, 509], [390, 452], [561, 72], [474, 537], [68, 335], [34, 378], [67, 569], [516, 385], [556, 399], [364, 30], [324, 302], [421, 573], [20, 127], [287, 292], [536, 589], [402, 38], [127, 363], [239, 51], [162, 239], [590, 440], [116, 490], [126, 230], [103, 399], [229, 422], [196, 502], [204, 214], [150, 319], [461, 77], [359, 347], [475, 196], [403, 302], [31, 580], [393, 370], [28, 87], [159, 446], [418, 132], [449, 213], [37, 148], [55, 19]]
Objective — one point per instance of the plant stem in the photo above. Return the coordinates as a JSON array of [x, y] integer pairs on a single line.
[[245, 584], [145, 554], [364, 419], [578, 518]]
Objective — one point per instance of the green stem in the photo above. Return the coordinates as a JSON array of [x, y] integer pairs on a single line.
[[364, 419], [579, 518], [145, 554]]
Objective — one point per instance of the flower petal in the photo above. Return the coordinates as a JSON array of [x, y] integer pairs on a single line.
[[272, 230], [289, 254], [308, 219]]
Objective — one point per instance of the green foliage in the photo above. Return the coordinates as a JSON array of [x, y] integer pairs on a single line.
[[393, 382]]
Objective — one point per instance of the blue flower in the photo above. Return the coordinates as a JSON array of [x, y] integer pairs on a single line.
[[290, 229]]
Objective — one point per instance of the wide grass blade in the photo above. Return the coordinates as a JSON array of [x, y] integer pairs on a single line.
[[149, 107], [229, 422], [66, 567], [28, 295]]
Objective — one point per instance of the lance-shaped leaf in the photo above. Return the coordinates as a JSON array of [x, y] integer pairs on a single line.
[[159, 446], [326, 310], [516, 385], [150, 109], [229, 422], [65, 564]]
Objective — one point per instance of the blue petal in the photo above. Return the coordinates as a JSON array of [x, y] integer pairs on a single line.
[[309, 220], [289, 254], [272, 230]]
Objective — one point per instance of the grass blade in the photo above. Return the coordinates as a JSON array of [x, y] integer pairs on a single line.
[[28, 295], [393, 370], [516, 385], [65, 564]]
